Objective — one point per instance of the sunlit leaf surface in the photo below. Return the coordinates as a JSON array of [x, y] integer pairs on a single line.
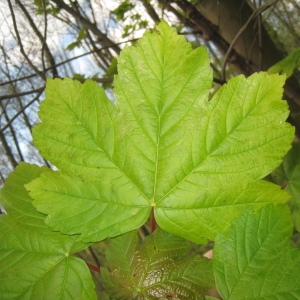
[[164, 145]]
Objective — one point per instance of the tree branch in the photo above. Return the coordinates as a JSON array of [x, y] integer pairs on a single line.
[[87, 24], [255, 13], [40, 74], [20, 111], [22, 94], [65, 62], [40, 37], [150, 10]]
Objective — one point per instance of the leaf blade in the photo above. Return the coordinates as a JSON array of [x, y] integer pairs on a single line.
[[164, 144], [229, 156], [95, 217], [266, 259], [33, 258]]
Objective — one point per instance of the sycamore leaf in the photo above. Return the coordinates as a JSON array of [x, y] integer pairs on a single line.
[[287, 175], [35, 262], [261, 265], [156, 269], [198, 163]]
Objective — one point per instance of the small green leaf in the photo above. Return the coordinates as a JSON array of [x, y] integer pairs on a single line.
[[110, 72], [157, 269], [287, 65], [287, 175], [78, 76], [81, 35], [35, 262], [122, 9], [72, 45], [112, 69], [163, 145], [260, 265]]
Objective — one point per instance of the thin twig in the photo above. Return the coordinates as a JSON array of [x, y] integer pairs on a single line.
[[21, 44], [67, 61], [12, 133], [255, 13], [259, 19], [93, 254], [87, 24], [20, 111], [22, 94], [45, 37], [99, 80]]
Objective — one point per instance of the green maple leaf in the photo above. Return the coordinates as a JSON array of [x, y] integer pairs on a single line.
[[157, 269], [262, 265], [35, 262], [163, 145], [287, 175]]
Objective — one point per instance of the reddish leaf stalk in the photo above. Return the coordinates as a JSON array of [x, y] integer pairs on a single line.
[[284, 186], [94, 268]]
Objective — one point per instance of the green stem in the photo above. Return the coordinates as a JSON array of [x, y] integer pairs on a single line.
[[153, 221]]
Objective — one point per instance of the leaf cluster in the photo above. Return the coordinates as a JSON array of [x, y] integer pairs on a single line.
[[164, 147]]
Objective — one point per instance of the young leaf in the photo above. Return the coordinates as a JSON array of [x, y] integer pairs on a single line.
[[287, 175], [35, 262], [122, 9], [287, 65], [260, 265], [164, 145], [110, 72], [156, 269]]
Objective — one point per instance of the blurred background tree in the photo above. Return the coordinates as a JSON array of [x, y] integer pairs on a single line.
[[82, 38]]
